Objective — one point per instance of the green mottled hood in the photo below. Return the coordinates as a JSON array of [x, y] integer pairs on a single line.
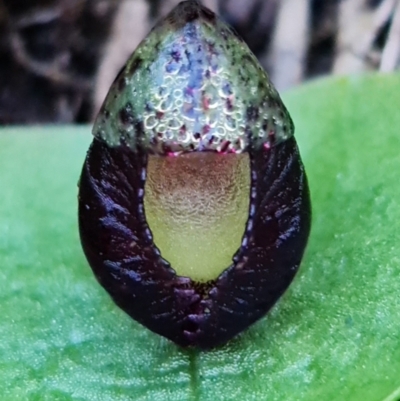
[[193, 84]]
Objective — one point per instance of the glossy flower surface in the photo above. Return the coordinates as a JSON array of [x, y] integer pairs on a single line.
[[194, 208]]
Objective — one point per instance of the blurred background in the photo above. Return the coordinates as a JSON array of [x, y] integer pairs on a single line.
[[59, 57]]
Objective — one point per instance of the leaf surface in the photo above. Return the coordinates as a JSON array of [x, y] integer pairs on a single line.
[[334, 335]]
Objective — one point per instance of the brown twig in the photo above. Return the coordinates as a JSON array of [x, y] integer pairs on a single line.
[[391, 51], [358, 28], [53, 71], [290, 43]]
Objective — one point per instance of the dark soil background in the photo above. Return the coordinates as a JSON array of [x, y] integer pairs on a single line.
[[58, 57]]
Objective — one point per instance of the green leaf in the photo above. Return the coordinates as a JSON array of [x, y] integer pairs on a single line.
[[333, 336]]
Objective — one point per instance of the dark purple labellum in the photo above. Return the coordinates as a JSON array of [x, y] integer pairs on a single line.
[[194, 161]]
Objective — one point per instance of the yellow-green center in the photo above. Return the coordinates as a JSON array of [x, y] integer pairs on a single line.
[[197, 206]]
